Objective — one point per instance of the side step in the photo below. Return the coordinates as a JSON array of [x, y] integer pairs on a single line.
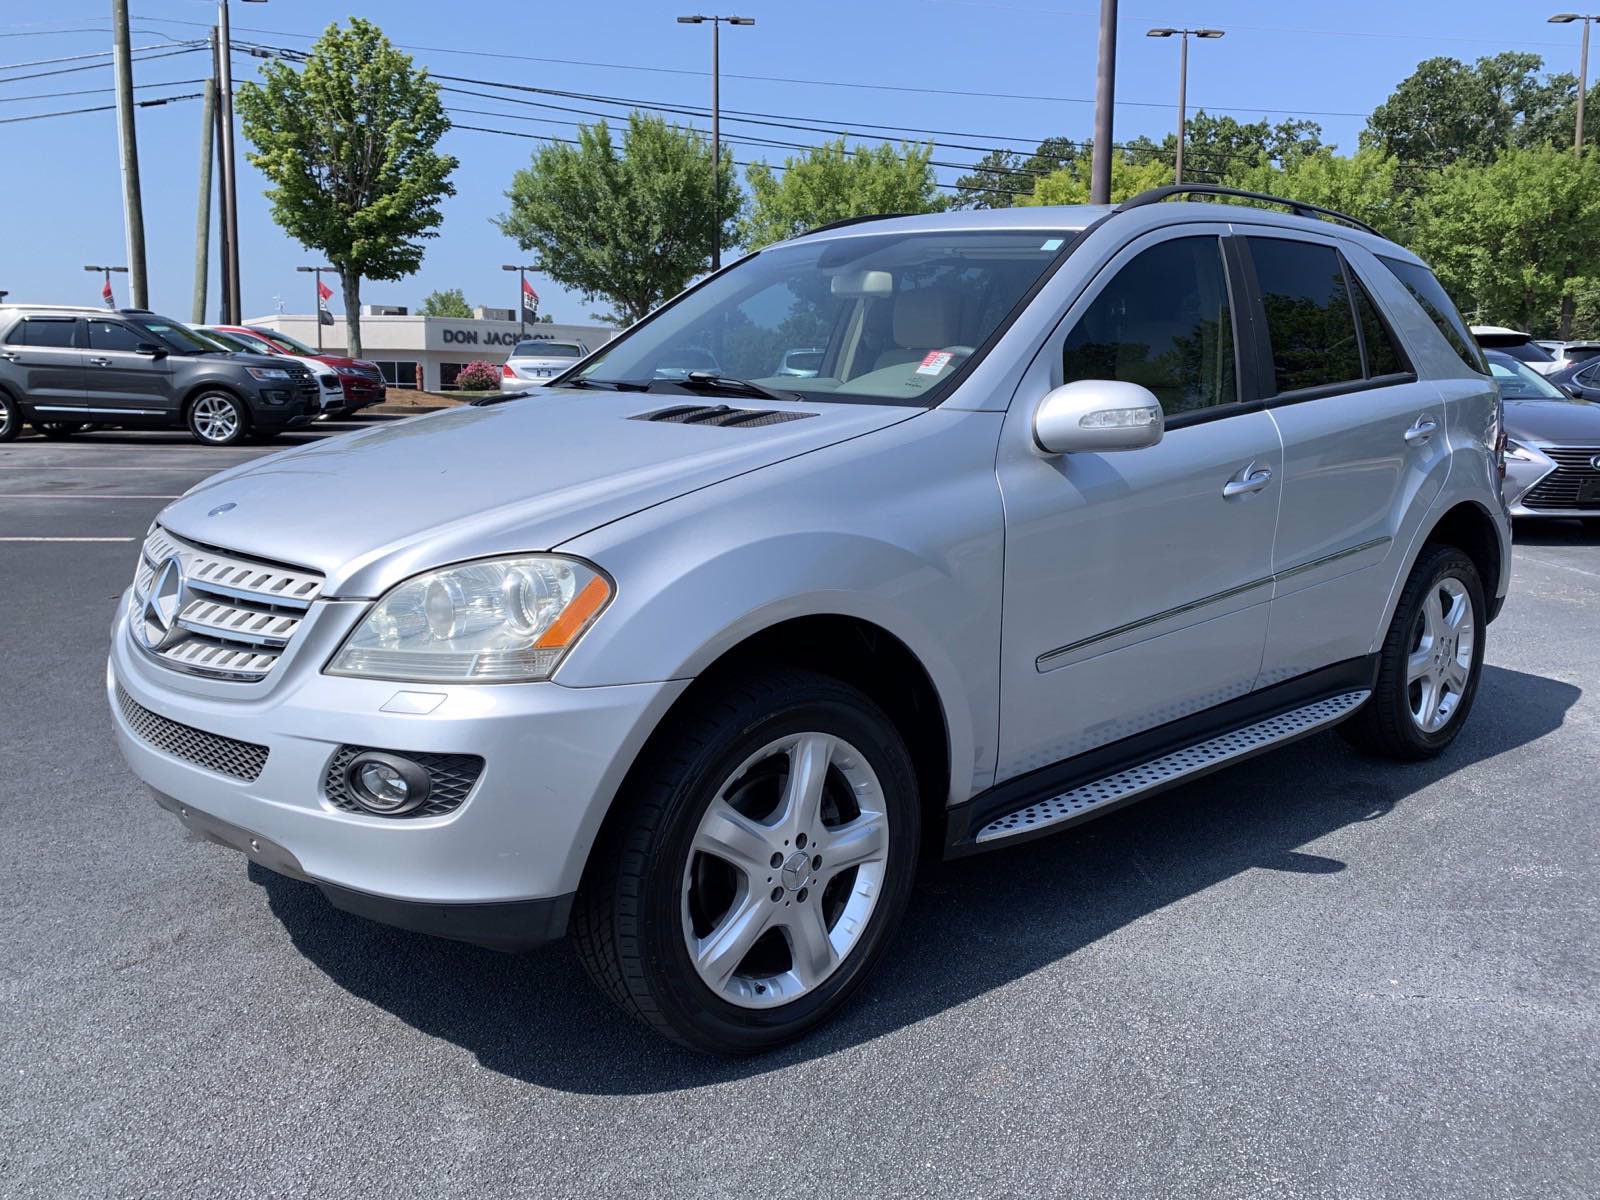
[[1198, 759]]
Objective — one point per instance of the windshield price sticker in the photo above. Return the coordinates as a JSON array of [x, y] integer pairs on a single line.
[[934, 362]]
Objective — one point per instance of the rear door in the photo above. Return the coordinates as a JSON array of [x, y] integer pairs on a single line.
[[1365, 448], [124, 382], [43, 362]]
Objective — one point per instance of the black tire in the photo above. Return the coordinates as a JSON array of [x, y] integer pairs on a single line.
[[628, 922], [10, 418], [56, 430], [1387, 725], [217, 418]]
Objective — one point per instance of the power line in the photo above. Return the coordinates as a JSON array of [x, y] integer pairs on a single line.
[[73, 112], [97, 91], [188, 49]]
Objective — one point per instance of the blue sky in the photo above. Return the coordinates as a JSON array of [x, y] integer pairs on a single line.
[[60, 196]]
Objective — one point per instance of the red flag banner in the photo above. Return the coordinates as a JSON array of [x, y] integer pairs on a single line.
[[324, 292], [105, 293], [528, 293]]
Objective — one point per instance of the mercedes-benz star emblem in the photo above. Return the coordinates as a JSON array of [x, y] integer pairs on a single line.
[[159, 621], [1595, 462]]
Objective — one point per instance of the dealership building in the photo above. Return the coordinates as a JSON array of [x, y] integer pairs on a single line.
[[427, 352]]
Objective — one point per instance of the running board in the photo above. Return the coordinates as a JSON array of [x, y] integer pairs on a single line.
[[1176, 767]]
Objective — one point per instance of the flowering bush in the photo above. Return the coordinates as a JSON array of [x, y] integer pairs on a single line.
[[478, 377]]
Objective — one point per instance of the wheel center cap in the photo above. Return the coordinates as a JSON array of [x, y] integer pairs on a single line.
[[796, 871]]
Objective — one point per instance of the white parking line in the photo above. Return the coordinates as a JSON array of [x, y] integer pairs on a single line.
[[67, 539], [70, 467], [77, 496]]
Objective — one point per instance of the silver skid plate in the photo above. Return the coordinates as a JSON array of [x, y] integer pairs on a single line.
[[1169, 768]]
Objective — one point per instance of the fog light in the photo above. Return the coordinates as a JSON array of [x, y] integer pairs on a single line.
[[386, 783]]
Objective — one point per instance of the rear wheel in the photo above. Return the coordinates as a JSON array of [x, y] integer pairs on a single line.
[[10, 418], [759, 868], [1430, 663], [218, 419], [56, 430]]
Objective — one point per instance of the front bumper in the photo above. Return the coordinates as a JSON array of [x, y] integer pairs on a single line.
[[554, 758], [1537, 486]]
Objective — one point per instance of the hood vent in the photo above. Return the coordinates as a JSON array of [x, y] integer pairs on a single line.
[[720, 414]]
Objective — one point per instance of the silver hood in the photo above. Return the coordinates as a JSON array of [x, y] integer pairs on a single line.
[[374, 507], [1553, 422]]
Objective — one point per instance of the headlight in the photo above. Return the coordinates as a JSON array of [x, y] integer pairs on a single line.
[[501, 620], [1516, 451], [267, 372]]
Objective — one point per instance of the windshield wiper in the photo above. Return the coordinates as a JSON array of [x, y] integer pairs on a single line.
[[712, 380], [615, 385]]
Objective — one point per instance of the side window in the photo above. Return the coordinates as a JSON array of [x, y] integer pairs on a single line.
[[1589, 376], [44, 331], [1430, 294], [113, 335], [1383, 356], [1310, 322], [1163, 322]]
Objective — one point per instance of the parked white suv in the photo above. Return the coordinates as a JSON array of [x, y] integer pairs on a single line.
[[1081, 503]]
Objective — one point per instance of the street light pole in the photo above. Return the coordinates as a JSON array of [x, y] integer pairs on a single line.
[[1583, 71], [522, 293], [1183, 84], [316, 309], [716, 124]]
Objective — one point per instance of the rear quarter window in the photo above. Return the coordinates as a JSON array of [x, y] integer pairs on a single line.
[[1428, 292]]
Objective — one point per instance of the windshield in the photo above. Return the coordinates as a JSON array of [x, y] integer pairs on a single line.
[[177, 336], [1518, 382], [536, 348], [285, 343], [889, 317], [219, 341]]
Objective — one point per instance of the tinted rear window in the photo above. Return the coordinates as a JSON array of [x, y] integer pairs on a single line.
[[1309, 318], [1383, 354], [538, 349], [1427, 291], [44, 331], [1522, 351]]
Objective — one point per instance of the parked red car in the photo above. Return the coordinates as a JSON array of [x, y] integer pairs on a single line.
[[362, 380]]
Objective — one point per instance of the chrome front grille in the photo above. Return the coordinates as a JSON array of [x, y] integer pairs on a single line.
[[224, 755], [230, 617], [1574, 478]]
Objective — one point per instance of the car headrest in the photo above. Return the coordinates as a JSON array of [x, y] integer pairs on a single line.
[[926, 318]]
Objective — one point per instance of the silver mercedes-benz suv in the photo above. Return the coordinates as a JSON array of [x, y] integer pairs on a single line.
[[1080, 503]]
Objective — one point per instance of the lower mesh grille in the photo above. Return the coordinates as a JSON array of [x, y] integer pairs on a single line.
[[224, 755], [450, 777]]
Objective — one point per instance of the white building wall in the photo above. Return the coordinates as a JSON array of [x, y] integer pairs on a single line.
[[435, 344]]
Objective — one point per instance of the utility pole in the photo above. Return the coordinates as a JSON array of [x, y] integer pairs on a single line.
[[1183, 83], [716, 124], [224, 242], [132, 206], [230, 169], [202, 219], [1104, 95]]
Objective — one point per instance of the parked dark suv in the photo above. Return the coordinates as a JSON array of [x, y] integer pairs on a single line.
[[63, 368]]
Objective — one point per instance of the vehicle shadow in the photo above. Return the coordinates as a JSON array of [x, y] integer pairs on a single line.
[[973, 925]]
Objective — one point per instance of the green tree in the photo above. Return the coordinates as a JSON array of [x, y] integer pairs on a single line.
[[632, 228], [348, 145], [1071, 184], [1445, 110], [1365, 185], [1215, 146], [451, 302], [1001, 176], [831, 183], [1516, 240]]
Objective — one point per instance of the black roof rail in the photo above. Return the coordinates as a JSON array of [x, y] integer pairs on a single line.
[[1299, 207], [843, 221]]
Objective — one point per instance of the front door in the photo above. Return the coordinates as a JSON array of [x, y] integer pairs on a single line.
[[43, 359], [1136, 590], [125, 383]]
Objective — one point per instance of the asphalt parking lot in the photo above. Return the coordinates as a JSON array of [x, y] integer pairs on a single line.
[[1310, 975]]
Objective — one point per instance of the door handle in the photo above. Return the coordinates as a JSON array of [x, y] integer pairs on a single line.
[[99, 362], [1424, 428], [1251, 479], [9, 355]]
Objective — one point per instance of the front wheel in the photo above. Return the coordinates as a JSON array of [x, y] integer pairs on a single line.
[[218, 419], [759, 866], [10, 419], [1431, 660]]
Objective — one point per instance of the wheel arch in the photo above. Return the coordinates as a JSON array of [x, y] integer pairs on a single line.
[[1469, 528]]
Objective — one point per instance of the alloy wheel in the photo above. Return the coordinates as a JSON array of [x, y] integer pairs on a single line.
[[1440, 666], [785, 869], [216, 418]]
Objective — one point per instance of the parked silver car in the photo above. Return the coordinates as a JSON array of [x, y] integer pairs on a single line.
[[1552, 444], [694, 667], [535, 361]]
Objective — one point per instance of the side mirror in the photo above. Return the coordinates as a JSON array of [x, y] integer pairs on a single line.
[[153, 350], [1097, 415], [1572, 390]]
